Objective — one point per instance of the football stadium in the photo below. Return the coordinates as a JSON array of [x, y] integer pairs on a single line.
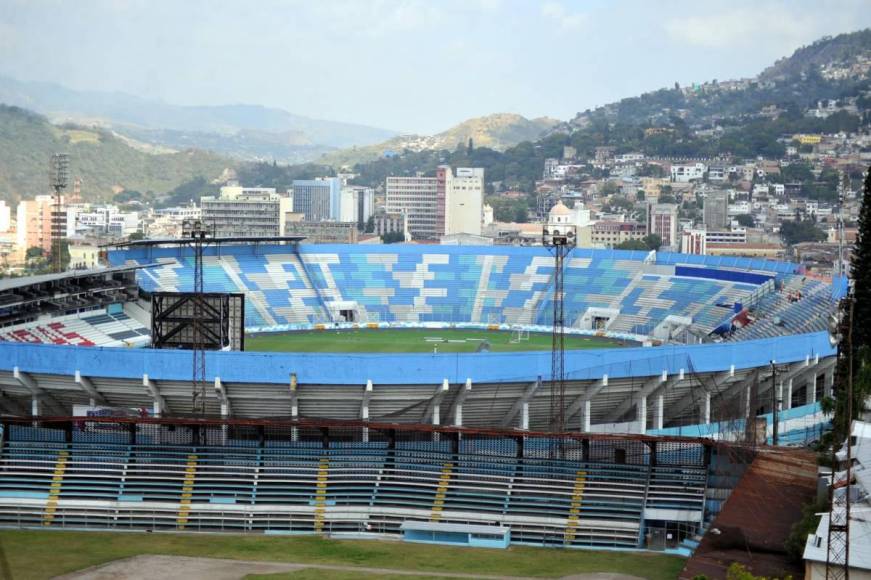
[[406, 391]]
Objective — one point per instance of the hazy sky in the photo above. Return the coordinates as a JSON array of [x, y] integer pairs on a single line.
[[408, 65]]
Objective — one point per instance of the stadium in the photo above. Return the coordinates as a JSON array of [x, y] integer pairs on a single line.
[[405, 390]]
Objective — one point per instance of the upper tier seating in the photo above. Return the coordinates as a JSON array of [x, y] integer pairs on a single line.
[[431, 284]]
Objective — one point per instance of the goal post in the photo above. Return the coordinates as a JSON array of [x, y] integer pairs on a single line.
[[519, 334]]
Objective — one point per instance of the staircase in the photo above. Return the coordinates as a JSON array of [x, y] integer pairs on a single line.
[[54, 490], [187, 491], [438, 503], [321, 494], [575, 509]]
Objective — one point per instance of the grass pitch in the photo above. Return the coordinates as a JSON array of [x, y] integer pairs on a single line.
[[413, 340], [26, 554]]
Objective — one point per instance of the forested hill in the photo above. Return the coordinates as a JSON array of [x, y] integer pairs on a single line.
[[105, 162]]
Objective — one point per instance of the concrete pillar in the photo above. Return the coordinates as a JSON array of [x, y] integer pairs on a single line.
[[706, 412], [585, 425], [642, 413], [811, 391], [660, 411], [524, 416], [830, 381], [34, 406], [747, 412], [787, 401]]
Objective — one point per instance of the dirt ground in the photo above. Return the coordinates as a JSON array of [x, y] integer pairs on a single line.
[[184, 568]]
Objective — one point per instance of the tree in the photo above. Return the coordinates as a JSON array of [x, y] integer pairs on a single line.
[[631, 245], [652, 241], [370, 224], [393, 238], [861, 271], [798, 231], [34, 252], [136, 236], [745, 220]]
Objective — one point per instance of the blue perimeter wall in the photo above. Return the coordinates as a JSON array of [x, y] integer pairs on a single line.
[[343, 369]]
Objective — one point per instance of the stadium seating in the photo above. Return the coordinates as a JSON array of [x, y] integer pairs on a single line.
[[78, 479], [91, 328], [424, 284]]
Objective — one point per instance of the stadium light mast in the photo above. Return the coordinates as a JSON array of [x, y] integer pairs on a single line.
[[559, 239], [196, 231], [59, 175]]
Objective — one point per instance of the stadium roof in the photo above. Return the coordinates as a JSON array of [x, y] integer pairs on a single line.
[[7, 284], [186, 241]]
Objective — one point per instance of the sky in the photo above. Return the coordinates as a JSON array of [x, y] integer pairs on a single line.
[[414, 66]]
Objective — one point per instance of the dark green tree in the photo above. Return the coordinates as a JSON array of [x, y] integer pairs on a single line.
[[745, 220]]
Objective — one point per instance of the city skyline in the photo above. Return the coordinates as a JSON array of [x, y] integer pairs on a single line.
[[335, 60]]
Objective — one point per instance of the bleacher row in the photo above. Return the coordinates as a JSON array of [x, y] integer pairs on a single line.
[[283, 287], [91, 328], [354, 487], [776, 314]]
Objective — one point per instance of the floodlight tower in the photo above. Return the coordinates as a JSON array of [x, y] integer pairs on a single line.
[[196, 231], [59, 175], [559, 239]]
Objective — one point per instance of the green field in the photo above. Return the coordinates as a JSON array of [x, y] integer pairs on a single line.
[[45, 554], [412, 340]]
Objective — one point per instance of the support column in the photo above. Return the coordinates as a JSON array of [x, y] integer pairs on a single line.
[[747, 393], [787, 402], [830, 381], [364, 408], [294, 407], [34, 406], [585, 425], [458, 402], [641, 408], [660, 411], [811, 391], [706, 412], [524, 416]]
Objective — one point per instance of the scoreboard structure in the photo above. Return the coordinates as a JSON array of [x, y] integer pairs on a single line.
[[198, 321]]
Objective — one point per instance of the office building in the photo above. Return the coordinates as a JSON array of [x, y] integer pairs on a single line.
[[318, 199], [323, 232], [446, 204], [662, 221], [5, 217], [34, 219], [607, 234], [246, 211], [693, 242]]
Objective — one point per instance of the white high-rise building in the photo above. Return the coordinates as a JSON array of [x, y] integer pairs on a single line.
[[464, 200], [417, 198], [358, 205]]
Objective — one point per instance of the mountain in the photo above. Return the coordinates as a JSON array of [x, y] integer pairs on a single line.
[[830, 68], [243, 131], [105, 162], [498, 131]]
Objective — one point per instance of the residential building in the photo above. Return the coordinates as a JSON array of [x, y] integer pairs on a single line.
[[716, 210], [34, 223], [84, 256], [246, 211], [687, 173], [607, 234], [662, 221], [318, 199]]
